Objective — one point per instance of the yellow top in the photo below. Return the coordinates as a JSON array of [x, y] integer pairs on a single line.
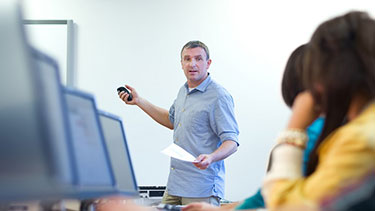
[[345, 157]]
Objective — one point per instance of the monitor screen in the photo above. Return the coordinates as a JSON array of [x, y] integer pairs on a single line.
[[94, 171], [31, 167], [55, 115], [115, 139]]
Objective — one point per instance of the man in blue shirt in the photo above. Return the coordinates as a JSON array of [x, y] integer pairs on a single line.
[[202, 117]]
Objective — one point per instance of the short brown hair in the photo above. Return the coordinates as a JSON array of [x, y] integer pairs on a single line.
[[196, 44]]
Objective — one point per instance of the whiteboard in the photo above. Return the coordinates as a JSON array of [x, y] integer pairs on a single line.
[[55, 38]]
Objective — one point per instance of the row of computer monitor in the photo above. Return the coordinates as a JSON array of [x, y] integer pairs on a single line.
[[54, 143]]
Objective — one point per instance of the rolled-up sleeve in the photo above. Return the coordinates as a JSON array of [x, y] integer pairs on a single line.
[[171, 112], [223, 121]]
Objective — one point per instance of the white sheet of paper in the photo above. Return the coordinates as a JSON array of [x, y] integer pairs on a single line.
[[177, 152]]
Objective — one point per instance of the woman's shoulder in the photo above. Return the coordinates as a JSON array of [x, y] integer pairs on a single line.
[[358, 133]]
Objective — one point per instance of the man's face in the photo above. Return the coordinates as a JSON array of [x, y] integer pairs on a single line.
[[195, 65]]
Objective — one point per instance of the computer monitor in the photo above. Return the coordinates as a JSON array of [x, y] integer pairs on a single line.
[[94, 170], [34, 160], [56, 116], [115, 139]]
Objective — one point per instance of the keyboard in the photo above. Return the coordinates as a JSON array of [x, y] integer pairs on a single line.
[[169, 207]]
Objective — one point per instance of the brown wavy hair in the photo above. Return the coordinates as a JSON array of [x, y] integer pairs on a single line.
[[340, 59]]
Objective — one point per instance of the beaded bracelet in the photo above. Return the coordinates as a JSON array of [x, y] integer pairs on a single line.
[[295, 137]]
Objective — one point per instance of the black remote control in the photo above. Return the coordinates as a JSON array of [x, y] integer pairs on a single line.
[[123, 89]]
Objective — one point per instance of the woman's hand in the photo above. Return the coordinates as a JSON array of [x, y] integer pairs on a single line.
[[200, 206]]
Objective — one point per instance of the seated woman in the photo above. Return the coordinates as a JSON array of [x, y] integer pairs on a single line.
[[339, 71], [291, 86]]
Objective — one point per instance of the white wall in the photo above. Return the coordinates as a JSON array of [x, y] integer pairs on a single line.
[[138, 42]]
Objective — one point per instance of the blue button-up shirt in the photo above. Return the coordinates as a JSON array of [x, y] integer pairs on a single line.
[[202, 118]]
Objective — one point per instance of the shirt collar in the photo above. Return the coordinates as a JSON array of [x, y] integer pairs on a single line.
[[203, 86]]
